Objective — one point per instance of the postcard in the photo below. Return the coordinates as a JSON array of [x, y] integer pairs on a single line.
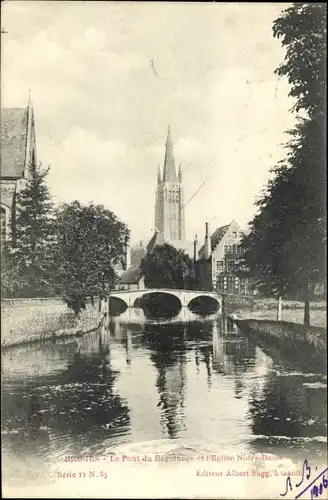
[[163, 242]]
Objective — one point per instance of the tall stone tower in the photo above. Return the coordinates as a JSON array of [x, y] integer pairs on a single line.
[[169, 208]]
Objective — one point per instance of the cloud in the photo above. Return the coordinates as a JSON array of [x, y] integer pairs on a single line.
[[102, 115], [82, 162], [87, 168], [189, 147]]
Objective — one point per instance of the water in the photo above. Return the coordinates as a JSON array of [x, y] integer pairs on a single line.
[[199, 383]]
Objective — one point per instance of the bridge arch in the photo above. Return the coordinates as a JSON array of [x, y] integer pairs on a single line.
[[116, 306], [159, 303], [203, 304]]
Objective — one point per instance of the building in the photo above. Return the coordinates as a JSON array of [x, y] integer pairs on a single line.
[[216, 260], [130, 275], [18, 152], [125, 261], [138, 252], [132, 279], [169, 222], [169, 205]]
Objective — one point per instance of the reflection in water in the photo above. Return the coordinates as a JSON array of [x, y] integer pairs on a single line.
[[129, 347], [142, 380], [78, 402], [284, 407], [226, 325], [169, 357]]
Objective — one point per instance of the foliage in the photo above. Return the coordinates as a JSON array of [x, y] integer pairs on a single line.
[[285, 248], [90, 241], [31, 256], [167, 267], [10, 279], [302, 29]]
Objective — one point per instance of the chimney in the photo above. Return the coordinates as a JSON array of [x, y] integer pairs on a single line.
[[207, 243], [127, 253], [195, 248]]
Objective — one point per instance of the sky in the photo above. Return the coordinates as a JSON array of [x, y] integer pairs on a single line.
[[106, 80]]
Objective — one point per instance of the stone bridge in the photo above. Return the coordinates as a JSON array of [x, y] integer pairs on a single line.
[[186, 297]]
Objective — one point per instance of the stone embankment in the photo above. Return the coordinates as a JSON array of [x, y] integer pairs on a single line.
[[290, 338], [26, 321]]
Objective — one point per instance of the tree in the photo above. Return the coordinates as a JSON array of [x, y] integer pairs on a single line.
[[167, 267], [34, 235], [286, 243], [10, 279], [302, 29], [90, 241]]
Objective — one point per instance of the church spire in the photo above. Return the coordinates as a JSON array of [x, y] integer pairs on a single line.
[[180, 174], [159, 178], [169, 165]]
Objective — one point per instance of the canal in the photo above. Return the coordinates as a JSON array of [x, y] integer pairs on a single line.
[[138, 385]]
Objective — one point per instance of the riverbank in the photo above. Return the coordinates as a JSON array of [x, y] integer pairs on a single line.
[[292, 311], [27, 321], [317, 317], [289, 339], [287, 336]]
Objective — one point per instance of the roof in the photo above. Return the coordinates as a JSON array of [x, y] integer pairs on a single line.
[[153, 242], [215, 238], [157, 239], [14, 131], [131, 276], [169, 171], [218, 235]]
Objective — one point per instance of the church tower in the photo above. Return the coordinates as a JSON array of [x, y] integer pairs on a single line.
[[169, 208]]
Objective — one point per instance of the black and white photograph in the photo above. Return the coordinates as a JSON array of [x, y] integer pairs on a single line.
[[163, 250]]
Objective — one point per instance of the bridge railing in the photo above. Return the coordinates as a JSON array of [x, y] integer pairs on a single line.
[[182, 290]]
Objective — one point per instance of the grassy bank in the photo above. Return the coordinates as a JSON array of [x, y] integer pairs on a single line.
[[27, 324], [318, 316], [271, 304], [266, 309]]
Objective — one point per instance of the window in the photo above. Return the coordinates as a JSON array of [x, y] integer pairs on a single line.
[[221, 283], [236, 284], [230, 265], [219, 266], [234, 235], [243, 285], [227, 249], [3, 225], [231, 284]]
